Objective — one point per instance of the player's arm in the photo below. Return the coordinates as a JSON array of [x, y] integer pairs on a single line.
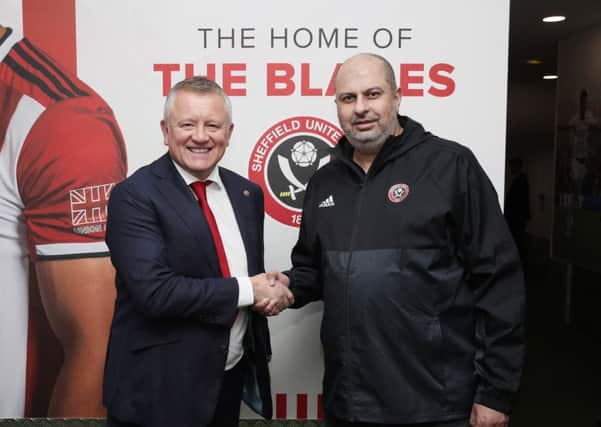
[[78, 288], [64, 180], [78, 297]]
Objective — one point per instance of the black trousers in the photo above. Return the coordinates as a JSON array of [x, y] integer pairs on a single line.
[[227, 412], [334, 422], [114, 422]]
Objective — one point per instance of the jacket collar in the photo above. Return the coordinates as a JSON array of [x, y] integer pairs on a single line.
[[395, 146], [188, 178]]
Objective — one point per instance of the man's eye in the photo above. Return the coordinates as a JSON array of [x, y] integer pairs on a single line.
[[347, 98], [373, 95]]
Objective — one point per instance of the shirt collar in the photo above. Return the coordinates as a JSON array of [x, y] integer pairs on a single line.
[[8, 42], [189, 178]]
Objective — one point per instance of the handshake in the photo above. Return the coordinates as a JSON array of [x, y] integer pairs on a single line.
[[271, 293]]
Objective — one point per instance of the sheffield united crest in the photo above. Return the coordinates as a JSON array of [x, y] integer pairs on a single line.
[[285, 157]]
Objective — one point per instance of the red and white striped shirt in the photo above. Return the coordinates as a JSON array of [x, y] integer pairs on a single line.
[[61, 152]]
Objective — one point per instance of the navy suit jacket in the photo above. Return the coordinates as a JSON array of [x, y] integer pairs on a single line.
[[173, 312]]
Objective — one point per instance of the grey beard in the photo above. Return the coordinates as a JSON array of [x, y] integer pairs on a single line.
[[368, 146]]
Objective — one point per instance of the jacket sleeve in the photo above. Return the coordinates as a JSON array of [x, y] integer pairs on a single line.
[[138, 244], [493, 272], [305, 275]]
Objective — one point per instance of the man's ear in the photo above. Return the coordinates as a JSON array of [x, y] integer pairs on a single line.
[[397, 97], [230, 130], [165, 131]]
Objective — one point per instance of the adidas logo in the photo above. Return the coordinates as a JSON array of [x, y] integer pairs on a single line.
[[327, 203]]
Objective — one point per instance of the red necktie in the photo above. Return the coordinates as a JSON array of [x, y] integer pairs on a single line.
[[200, 188]]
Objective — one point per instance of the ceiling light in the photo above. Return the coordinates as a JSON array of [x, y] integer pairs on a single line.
[[533, 61], [555, 18], [550, 77]]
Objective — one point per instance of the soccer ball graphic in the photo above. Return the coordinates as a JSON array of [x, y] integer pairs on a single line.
[[303, 154]]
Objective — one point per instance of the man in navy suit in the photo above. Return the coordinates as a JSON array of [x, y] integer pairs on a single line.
[[185, 348]]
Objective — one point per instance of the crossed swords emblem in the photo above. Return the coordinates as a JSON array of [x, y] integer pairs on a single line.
[[295, 186]]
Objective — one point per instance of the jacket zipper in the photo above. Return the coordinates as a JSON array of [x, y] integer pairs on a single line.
[[346, 293]]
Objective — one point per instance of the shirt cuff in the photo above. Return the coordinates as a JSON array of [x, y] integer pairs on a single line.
[[245, 292]]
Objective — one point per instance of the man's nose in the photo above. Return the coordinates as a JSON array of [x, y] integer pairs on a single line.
[[361, 105], [200, 134]]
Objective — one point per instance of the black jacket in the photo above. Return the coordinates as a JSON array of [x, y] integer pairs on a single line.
[[421, 282]]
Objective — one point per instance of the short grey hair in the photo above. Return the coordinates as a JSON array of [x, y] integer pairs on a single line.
[[198, 84]]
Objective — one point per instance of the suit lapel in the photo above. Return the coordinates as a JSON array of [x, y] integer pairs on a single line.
[[243, 210], [177, 194]]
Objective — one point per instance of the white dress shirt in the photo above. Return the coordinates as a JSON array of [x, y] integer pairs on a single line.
[[235, 253]]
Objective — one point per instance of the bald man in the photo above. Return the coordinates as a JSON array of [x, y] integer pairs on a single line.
[[404, 241]]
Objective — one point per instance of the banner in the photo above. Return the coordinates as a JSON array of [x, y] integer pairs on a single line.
[[277, 61]]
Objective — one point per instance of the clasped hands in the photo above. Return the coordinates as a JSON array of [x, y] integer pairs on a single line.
[[271, 293]]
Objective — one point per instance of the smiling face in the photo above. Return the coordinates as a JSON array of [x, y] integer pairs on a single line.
[[197, 130], [366, 102]]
